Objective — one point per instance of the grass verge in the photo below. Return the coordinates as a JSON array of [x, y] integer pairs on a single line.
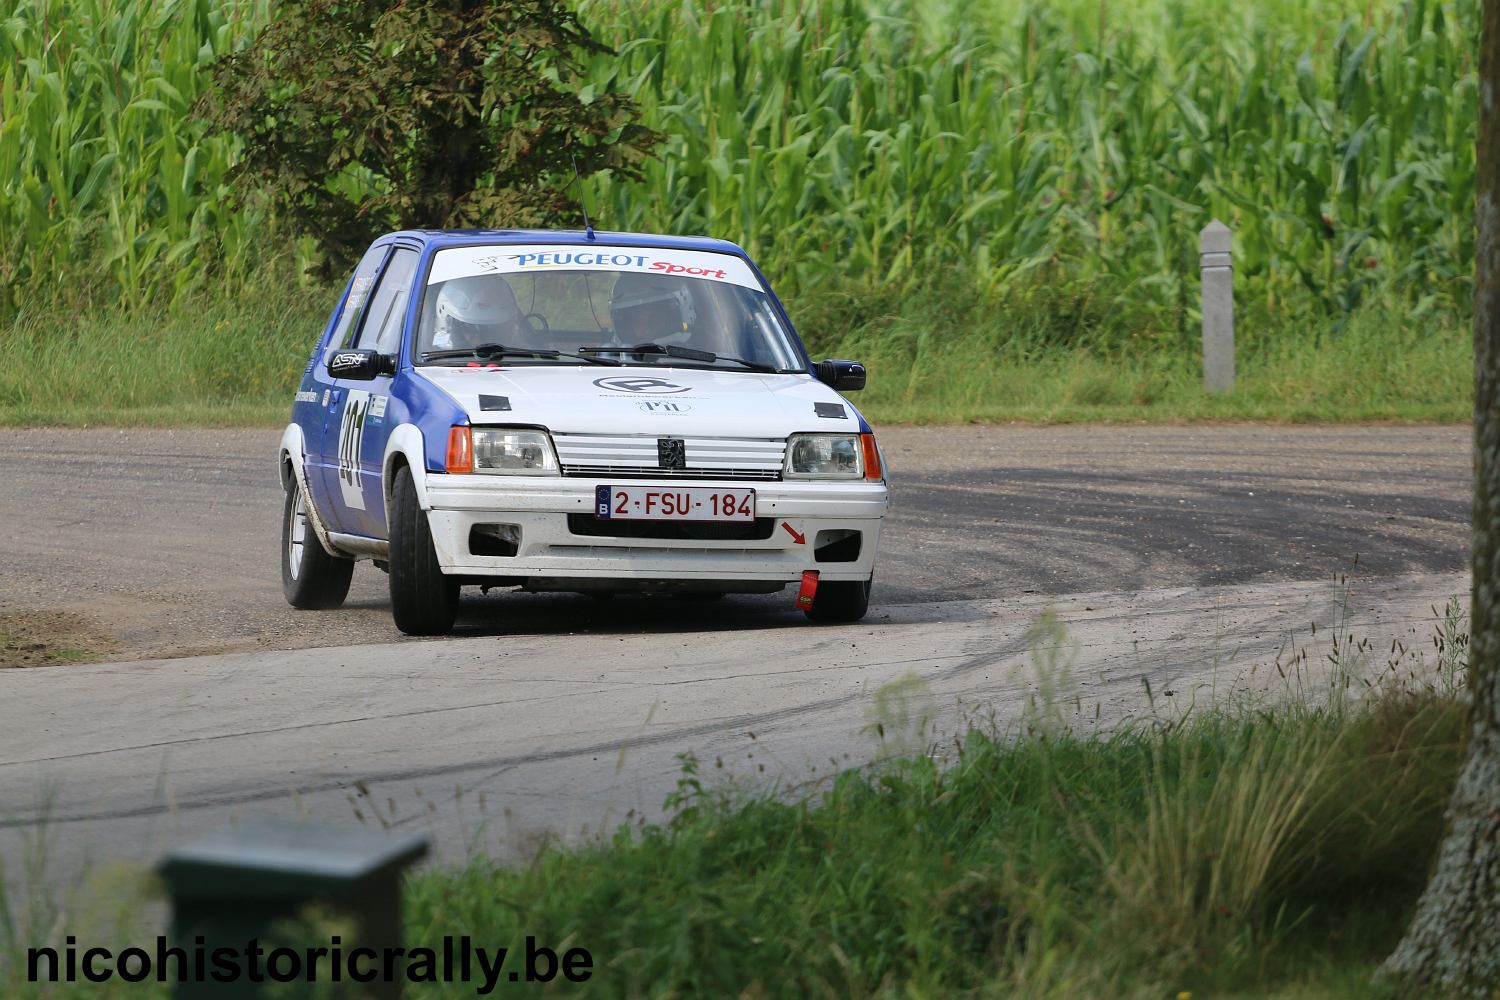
[[216, 361], [37, 639], [1270, 853], [1246, 850], [942, 354]]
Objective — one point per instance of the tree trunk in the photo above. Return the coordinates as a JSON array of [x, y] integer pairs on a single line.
[[1454, 938]]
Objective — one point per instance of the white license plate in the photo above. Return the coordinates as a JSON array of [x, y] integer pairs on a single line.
[[673, 503]]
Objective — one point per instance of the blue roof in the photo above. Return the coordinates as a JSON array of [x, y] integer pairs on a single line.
[[439, 238]]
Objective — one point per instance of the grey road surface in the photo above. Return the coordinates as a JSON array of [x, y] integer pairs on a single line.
[[485, 742], [164, 543], [1183, 564]]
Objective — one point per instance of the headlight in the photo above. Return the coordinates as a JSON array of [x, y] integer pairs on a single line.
[[824, 456], [513, 452]]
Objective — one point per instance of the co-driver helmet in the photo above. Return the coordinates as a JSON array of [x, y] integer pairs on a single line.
[[638, 295]]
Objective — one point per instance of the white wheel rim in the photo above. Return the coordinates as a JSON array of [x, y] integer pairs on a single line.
[[296, 536]]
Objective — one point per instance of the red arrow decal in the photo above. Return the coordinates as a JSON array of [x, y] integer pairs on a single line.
[[797, 536]]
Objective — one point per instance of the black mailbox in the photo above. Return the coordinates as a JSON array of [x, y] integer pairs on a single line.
[[231, 888]]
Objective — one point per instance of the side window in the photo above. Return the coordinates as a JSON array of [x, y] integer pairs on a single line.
[[359, 295], [382, 325]]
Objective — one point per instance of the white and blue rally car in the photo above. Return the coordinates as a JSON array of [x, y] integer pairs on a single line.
[[574, 411]]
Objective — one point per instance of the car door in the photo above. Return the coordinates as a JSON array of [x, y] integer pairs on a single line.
[[357, 428], [322, 448]]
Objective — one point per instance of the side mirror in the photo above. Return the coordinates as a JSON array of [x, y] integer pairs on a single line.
[[845, 376], [360, 365]]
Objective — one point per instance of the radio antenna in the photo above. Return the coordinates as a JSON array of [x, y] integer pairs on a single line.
[[588, 227]]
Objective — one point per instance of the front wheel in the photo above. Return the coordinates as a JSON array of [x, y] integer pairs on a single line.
[[423, 600], [311, 579], [840, 601]]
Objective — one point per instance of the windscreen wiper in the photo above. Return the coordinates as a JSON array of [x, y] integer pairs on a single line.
[[488, 351], [754, 366], [673, 351]]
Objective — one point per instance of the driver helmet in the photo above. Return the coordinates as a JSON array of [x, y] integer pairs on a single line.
[[655, 307], [476, 310]]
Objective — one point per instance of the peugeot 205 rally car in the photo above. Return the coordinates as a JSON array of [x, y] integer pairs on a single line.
[[591, 412]]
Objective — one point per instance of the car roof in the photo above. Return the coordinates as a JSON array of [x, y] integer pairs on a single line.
[[440, 238]]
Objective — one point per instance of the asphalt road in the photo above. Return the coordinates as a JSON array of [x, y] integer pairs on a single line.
[[1183, 564], [151, 543]]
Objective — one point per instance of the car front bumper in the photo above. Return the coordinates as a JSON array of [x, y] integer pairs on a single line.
[[550, 555]]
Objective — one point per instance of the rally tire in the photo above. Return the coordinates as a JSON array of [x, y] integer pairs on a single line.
[[423, 600], [311, 579], [840, 601]]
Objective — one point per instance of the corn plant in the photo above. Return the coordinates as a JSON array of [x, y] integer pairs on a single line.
[[109, 183], [847, 138], [1076, 146]]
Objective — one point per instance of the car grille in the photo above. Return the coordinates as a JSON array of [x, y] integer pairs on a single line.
[[688, 531], [599, 456]]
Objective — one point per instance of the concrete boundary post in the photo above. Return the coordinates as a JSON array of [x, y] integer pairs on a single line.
[[1216, 264]]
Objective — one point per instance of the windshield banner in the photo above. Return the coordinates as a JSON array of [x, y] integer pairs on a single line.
[[462, 262]]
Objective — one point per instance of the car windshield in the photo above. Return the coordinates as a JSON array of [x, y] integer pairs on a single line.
[[575, 304]]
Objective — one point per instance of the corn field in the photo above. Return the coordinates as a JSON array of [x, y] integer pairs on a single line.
[[109, 186], [1076, 145]]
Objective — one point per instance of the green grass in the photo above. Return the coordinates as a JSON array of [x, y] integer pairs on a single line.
[[212, 360], [940, 356], [1271, 852], [941, 353]]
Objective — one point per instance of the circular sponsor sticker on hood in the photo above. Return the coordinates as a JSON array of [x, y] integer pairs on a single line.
[[640, 385]]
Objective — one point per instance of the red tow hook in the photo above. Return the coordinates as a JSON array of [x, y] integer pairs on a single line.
[[808, 590]]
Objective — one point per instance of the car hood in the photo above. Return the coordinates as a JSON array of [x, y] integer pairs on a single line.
[[645, 400]]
